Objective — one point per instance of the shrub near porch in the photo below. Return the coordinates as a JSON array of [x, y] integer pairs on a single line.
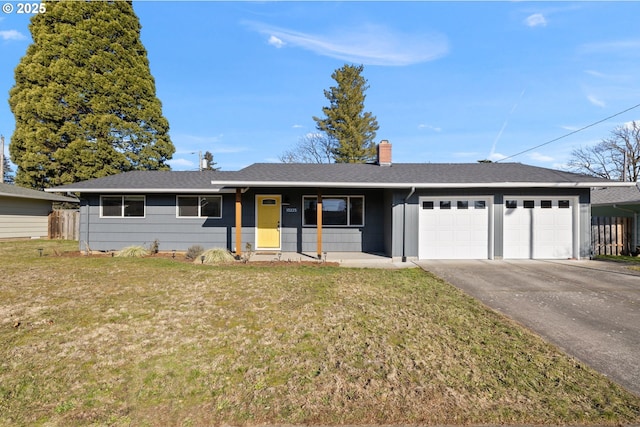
[[154, 341]]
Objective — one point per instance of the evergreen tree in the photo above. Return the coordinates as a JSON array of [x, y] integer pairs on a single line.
[[346, 123], [8, 178], [208, 156], [84, 98]]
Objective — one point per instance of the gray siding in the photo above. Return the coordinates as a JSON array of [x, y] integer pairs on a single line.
[[299, 238], [160, 222], [24, 218], [585, 224]]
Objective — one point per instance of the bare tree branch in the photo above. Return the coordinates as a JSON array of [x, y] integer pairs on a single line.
[[311, 148], [616, 157]]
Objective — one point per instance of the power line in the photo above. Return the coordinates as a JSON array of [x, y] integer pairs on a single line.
[[570, 133]]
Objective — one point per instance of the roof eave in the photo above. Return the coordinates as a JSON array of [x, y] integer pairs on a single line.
[[45, 199], [226, 186], [141, 190], [299, 184]]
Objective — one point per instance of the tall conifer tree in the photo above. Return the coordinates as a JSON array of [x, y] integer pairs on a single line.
[[346, 122], [84, 99]]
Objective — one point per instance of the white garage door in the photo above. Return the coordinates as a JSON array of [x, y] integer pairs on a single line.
[[538, 228], [453, 228]]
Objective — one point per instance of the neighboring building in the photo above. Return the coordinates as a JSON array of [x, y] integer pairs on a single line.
[[618, 202], [425, 211], [24, 213]]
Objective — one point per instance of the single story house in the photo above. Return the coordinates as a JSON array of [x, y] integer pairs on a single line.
[[618, 202], [24, 213], [412, 210]]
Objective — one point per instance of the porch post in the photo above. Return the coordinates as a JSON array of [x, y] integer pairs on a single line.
[[238, 221], [319, 223]]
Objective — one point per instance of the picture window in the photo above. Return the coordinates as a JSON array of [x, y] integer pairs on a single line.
[[336, 210], [199, 206]]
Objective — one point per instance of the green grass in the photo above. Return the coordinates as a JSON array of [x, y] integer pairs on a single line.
[[159, 342], [632, 261], [619, 258]]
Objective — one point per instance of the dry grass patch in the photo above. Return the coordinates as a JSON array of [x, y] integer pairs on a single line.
[[153, 341]]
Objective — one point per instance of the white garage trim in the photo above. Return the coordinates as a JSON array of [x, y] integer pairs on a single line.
[[455, 227], [541, 227]]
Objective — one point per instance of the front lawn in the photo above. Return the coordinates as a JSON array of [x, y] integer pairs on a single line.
[[157, 342]]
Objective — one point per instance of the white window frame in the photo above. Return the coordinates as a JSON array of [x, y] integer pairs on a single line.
[[199, 206], [348, 197], [122, 206]]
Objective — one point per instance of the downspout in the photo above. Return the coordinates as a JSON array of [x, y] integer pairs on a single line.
[[404, 224], [87, 209], [635, 224]]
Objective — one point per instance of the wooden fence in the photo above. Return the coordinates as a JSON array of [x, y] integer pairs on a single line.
[[611, 235], [64, 224]]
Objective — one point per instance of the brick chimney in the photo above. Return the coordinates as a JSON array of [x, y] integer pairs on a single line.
[[384, 153]]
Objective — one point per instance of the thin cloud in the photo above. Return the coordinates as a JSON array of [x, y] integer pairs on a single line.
[[616, 46], [536, 20], [595, 73], [540, 157], [367, 44], [630, 125], [429, 127], [496, 157], [595, 101], [276, 42], [181, 163], [12, 35]]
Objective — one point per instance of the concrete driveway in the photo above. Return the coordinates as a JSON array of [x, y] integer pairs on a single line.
[[589, 309]]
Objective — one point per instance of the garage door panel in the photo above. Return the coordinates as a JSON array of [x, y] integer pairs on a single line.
[[459, 232], [543, 231]]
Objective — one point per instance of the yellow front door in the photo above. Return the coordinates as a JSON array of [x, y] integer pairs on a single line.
[[268, 230]]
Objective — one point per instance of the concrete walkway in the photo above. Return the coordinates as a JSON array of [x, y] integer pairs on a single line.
[[345, 259]]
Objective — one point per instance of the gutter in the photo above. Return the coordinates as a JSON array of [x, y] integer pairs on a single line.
[[401, 185], [230, 186], [404, 224]]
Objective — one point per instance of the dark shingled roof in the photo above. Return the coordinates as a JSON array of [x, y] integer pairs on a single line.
[[339, 174], [197, 181], [615, 195], [7, 190], [408, 173]]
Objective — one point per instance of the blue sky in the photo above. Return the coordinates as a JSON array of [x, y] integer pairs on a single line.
[[449, 81]]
